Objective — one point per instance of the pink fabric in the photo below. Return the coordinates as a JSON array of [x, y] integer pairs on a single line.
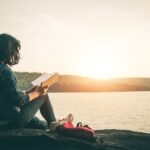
[[83, 132]]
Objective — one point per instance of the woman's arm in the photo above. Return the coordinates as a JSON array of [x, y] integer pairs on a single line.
[[33, 95], [31, 89], [10, 89], [39, 91]]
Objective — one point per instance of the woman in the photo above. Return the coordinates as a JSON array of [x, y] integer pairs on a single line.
[[17, 108]]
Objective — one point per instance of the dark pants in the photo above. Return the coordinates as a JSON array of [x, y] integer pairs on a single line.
[[27, 119]]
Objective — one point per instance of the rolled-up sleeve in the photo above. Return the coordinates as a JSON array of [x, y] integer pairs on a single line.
[[11, 90]]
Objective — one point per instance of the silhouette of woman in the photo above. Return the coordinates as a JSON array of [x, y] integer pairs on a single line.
[[18, 108]]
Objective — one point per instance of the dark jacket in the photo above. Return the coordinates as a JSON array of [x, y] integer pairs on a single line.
[[11, 97]]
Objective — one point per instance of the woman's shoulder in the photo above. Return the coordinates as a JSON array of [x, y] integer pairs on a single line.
[[5, 70]]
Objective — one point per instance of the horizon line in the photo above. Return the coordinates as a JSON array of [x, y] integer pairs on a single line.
[[70, 74]]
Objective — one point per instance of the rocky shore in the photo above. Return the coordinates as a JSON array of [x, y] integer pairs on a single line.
[[34, 139]]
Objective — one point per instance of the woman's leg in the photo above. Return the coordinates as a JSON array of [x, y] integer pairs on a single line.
[[29, 110], [36, 123], [47, 110]]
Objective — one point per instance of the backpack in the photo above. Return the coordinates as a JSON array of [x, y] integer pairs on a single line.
[[80, 132]]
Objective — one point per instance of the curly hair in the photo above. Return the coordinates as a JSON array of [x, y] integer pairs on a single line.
[[9, 49]]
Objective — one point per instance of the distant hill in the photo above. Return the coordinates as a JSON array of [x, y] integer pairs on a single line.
[[136, 81], [72, 83]]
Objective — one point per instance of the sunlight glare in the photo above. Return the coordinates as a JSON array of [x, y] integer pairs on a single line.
[[101, 65]]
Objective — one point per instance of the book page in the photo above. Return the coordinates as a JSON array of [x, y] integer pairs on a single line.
[[53, 78], [46, 79]]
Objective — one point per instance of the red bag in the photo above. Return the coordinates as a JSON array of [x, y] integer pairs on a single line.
[[81, 132]]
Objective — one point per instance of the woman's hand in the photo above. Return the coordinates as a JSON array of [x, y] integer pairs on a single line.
[[39, 91], [31, 89]]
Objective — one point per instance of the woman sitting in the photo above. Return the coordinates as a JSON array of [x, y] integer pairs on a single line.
[[17, 108]]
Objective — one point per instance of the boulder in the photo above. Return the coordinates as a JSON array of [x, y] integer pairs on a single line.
[[35, 139]]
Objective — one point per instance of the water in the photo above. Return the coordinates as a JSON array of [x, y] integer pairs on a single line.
[[110, 110]]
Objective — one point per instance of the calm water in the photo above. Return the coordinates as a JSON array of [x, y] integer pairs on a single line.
[[112, 110]]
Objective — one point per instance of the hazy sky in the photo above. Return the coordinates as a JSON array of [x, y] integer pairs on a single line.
[[98, 38]]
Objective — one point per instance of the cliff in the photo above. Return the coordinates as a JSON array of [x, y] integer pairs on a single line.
[[34, 139]]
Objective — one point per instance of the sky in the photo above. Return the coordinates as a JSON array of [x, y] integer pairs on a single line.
[[96, 38]]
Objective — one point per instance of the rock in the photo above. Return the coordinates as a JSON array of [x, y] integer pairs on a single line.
[[35, 139]]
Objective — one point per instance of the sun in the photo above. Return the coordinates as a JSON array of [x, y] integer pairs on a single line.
[[99, 69], [103, 66]]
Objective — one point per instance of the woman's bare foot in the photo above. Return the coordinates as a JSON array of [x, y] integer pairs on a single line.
[[69, 118], [55, 124]]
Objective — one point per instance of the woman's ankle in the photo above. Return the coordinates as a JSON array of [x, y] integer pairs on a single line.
[[53, 125]]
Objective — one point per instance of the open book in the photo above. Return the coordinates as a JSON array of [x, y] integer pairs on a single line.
[[46, 79]]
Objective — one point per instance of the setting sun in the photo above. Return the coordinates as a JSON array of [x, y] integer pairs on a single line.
[[101, 65]]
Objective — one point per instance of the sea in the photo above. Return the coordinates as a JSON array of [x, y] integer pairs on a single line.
[[106, 110]]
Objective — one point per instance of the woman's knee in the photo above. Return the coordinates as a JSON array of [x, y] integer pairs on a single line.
[[42, 98], [46, 97]]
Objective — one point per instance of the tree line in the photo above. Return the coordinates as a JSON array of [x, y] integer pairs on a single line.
[[72, 83]]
